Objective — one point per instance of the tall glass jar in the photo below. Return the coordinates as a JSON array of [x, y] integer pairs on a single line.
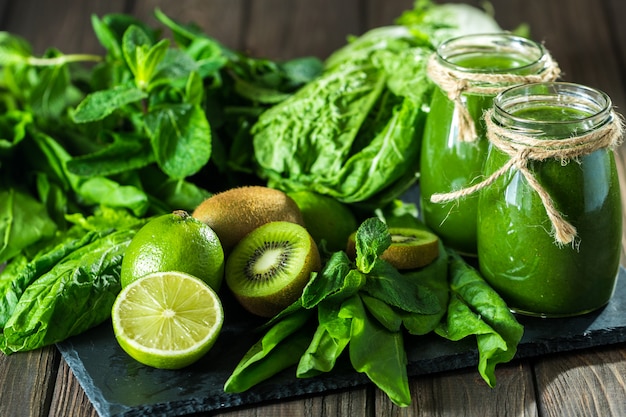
[[468, 71], [549, 223]]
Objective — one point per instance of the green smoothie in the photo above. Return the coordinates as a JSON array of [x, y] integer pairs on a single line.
[[518, 255], [448, 164]]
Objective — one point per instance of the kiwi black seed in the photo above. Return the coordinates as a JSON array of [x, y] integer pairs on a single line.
[[268, 269], [410, 248], [234, 213]]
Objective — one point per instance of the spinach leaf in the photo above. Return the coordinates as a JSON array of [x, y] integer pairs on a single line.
[[102, 190], [20, 272], [77, 293], [13, 129], [278, 349], [377, 352], [435, 278], [24, 221], [387, 284], [385, 314], [476, 309], [329, 340]]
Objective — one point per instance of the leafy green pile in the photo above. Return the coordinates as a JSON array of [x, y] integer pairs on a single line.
[[366, 307], [149, 127], [354, 133]]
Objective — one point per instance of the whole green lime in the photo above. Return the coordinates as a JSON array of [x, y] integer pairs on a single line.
[[175, 242], [326, 218]]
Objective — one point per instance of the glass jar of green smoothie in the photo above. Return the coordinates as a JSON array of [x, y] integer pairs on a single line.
[[549, 212], [468, 72]]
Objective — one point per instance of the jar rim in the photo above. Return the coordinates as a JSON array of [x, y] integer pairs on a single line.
[[596, 103], [485, 41]]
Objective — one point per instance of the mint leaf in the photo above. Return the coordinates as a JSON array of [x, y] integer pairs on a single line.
[[98, 105], [337, 277], [181, 138], [372, 239], [127, 152], [147, 67], [135, 46]]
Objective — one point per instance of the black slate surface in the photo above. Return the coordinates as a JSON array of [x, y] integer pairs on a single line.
[[119, 386]]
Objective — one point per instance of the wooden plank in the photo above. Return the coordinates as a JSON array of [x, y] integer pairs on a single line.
[[383, 13], [69, 399], [465, 393], [26, 384], [283, 29], [349, 403], [615, 12], [4, 12], [589, 383], [221, 19], [63, 24]]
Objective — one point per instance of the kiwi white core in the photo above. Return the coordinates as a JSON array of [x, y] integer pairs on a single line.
[[268, 261]]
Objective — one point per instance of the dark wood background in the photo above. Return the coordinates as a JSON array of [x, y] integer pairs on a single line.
[[587, 38]]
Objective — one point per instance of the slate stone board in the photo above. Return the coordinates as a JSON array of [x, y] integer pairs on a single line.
[[119, 386]]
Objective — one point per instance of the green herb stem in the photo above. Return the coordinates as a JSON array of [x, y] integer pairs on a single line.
[[63, 59]]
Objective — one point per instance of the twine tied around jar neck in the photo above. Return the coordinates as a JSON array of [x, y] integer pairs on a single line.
[[454, 83], [523, 147]]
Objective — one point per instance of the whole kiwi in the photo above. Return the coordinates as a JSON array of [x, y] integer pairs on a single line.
[[410, 248], [268, 269], [234, 213]]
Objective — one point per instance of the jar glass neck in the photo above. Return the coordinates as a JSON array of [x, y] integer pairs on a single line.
[[552, 109], [493, 53]]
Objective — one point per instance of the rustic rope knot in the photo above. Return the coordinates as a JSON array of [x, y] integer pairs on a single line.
[[524, 146], [455, 83]]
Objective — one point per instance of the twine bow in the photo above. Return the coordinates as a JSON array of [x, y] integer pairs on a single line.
[[454, 83], [523, 147]]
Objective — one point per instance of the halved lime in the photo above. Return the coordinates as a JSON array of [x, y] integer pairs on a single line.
[[167, 320]]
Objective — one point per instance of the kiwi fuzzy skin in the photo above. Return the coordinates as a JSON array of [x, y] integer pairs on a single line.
[[234, 213], [268, 305]]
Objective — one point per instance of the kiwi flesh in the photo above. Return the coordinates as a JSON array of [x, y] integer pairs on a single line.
[[410, 248], [268, 269], [234, 213]]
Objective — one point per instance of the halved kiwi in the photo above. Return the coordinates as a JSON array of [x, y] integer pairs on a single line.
[[410, 248], [268, 269], [234, 213]]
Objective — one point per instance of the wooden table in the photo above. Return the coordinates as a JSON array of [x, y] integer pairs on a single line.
[[586, 37]]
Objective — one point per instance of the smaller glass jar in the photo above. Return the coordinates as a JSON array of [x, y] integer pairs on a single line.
[[550, 222], [468, 71]]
